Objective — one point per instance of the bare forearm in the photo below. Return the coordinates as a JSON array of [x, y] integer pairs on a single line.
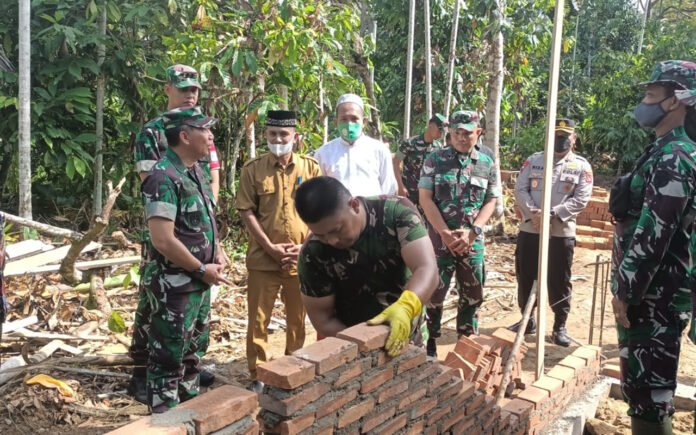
[[215, 183], [485, 213], [397, 172], [432, 213], [423, 282], [254, 227], [328, 327]]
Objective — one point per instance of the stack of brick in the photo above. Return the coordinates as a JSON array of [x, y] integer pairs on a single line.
[[481, 359], [541, 402], [594, 227], [348, 385], [224, 410]]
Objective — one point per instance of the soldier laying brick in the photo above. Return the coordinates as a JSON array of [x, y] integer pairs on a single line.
[[368, 259]]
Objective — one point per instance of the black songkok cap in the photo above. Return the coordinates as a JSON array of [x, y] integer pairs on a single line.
[[281, 118]]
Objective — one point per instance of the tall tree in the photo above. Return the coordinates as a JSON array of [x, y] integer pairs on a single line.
[[24, 109]]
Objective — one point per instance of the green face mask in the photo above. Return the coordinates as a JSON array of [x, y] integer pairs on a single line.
[[350, 131]]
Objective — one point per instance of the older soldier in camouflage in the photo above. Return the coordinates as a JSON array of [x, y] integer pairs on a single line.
[[457, 193], [186, 260], [367, 259], [571, 190], [412, 152], [182, 90], [653, 252]]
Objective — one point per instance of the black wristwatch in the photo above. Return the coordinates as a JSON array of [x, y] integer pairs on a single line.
[[200, 272], [477, 230], [553, 213]]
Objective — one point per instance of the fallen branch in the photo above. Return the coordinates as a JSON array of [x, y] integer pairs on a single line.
[[67, 268], [109, 413], [81, 371], [43, 228]]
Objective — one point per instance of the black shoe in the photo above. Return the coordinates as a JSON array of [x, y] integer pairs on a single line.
[[256, 387], [137, 387], [560, 336], [206, 378], [431, 348], [531, 327]]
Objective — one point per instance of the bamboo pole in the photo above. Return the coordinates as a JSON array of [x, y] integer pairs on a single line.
[[546, 190], [452, 54], [409, 68], [509, 364], [428, 61]]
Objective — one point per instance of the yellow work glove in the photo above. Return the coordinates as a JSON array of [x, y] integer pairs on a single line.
[[399, 315]]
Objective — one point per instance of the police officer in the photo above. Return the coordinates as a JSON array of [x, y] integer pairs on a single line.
[[457, 191], [186, 260], [654, 250], [412, 152], [570, 192]]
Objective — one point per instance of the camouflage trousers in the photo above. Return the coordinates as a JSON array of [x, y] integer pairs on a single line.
[[178, 335], [649, 367], [469, 271], [138, 348]]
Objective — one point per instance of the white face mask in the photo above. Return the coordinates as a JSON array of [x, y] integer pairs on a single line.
[[280, 149]]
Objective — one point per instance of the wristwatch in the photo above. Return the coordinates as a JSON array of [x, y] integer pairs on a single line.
[[198, 273], [553, 213], [477, 230]]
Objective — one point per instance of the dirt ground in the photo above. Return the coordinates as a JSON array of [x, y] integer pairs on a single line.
[[101, 403]]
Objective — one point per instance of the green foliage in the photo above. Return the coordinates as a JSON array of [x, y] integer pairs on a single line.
[[116, 323]]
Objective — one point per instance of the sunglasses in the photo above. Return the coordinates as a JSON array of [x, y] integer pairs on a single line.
[[186, 74]]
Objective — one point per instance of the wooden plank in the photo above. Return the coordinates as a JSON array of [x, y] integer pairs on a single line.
[[82, 265], [21, 267], [21, 249], [8, 327]]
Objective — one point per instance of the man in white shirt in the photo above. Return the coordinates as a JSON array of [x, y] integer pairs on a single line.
[[361, 163]]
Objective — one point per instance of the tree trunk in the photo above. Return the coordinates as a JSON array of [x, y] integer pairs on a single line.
[[495, 94], [43, 228], [284, 102], [323, 113], [452, 54], [5, 164], [409, 68], [365, 72], [428, 61], [98, 156], [24, 109]]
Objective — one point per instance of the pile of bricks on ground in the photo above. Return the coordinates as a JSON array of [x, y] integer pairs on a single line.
[[224, 410], [349, 385], [481, 359], [594, 229], [543, 401]]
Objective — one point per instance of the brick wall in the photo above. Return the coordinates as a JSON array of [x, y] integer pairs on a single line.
[[595, 230]]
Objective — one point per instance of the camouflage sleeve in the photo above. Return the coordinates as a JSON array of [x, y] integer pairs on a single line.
[[667, 191], [405, 148], [522, 196], [427, 175], [146, 151], [581, 196], [405, 220], [314, 278], [247, 198], [493, 189], [159, 196]]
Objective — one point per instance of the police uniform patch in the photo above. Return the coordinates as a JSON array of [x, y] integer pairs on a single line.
[[535, 183]]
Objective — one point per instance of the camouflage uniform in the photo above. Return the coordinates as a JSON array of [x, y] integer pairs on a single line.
[[652, 258], [412, 152], [179, 302], [461, 184], [370, 275]]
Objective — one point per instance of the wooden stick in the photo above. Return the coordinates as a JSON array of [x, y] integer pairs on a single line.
[[43, 228], [452, 54], [409, 68], [510, 363]]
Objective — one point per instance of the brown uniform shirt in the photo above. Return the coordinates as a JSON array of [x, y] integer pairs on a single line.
[[269, 191]]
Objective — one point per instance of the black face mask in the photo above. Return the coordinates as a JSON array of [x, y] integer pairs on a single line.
[[561, 144]]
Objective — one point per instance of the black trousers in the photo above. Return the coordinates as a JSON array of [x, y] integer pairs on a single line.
[[561, 250]]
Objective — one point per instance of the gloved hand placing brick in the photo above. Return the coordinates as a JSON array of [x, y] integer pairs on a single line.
[[399, 316]]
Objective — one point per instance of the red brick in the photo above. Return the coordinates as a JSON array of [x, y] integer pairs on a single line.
[[450, 389], [352, 371], [381, 358], [612, 370], [253, 429], [328, 353], [565, 374], [416, 428], [376, 380], [454, 418], [437, 414], [376, 418], [366, 337], [412, 397], [456, 361], [145, 425], [573, 362], [287, 372], [504, 336], [324, 431], [414, 358], [296, 425], [534, 395], [446, 373], [392, 390], [220, 407], [475, 404], [519, 408], [355, 412], [551, 385], [469, 350], [423, 407], [425, 372], [465, 392], [392, 426], [464, 426], [291, 404], [337, 403]]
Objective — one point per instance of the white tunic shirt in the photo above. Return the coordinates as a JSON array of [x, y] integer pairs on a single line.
[[365, 167]]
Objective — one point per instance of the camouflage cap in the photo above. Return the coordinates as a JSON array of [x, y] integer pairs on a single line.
[[192, 116], [466, 119], [439, 119], [183, 76], [679, 72]]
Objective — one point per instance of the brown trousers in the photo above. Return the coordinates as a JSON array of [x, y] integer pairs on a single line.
[[262, 290]]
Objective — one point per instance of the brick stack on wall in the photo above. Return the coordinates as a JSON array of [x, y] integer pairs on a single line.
[[481, 359], [595, 230]]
